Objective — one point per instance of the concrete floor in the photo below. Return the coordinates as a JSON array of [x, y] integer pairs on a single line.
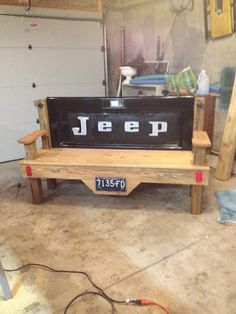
[[145, 245]]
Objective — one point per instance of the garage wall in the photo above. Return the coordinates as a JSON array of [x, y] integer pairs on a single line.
[[65, 60], [186, 45]]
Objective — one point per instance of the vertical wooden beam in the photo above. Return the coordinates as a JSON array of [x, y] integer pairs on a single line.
[[228, 143], [200, 144], [204, 114], [36, 190], [199, 155], [43, 121], [196, 199], [45, 142], [41, 104], [30, 151], [209, 116], [199, 112]]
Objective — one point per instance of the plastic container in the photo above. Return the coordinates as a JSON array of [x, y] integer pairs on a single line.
[[203, 84]]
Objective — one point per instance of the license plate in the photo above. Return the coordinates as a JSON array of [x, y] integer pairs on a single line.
[[110, 184]]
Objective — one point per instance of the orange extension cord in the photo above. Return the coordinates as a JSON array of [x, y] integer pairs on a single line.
[[145, 302]]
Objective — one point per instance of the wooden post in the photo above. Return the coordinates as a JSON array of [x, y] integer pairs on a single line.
[[30, 151], [44, 122], [46, 140], [199, 155], [196, 199], [204, 114], [200, 144], [228, 144], [31, 139], [209, 116], [36, 190], [199, 111]]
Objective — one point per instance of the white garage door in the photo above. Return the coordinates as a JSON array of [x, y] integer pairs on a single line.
[[65, 60]]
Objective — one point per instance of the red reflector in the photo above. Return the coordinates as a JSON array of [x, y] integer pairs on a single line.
[[28, 171], [198, 176]]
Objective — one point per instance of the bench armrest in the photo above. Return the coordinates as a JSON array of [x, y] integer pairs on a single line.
[[29, 142], [200, 143], [32, 137], [201, 139]]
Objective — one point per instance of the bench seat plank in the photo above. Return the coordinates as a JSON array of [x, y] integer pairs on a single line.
[[117, 158], [168, 167]]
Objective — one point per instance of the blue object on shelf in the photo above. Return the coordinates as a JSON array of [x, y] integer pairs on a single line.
[[215, 89], [153, 77], [146, 82]]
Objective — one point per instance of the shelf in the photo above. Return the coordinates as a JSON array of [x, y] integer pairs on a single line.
[[144, 90]]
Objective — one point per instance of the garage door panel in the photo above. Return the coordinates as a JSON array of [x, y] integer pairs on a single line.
[[49, 33], [65, 60], [24, 110], [53, 33], [68, 67], [14, 67], [19, 104], [72, 91], [18, 34], [12, 133], [41, 66]]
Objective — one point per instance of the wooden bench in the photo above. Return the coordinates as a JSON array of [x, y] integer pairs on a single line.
[[137, 166]]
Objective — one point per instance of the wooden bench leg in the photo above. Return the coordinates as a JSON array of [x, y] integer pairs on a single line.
[[196, 199], [36, 191], [52, 184]]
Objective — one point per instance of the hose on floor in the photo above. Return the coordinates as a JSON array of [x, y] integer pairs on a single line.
[[100, 292]]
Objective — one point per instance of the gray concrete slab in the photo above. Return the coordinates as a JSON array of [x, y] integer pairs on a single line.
[[144, 245]]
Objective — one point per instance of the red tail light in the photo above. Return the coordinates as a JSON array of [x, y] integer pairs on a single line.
[[28, 171]]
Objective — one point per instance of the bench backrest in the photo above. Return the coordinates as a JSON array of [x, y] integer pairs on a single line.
[[130, 122]]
